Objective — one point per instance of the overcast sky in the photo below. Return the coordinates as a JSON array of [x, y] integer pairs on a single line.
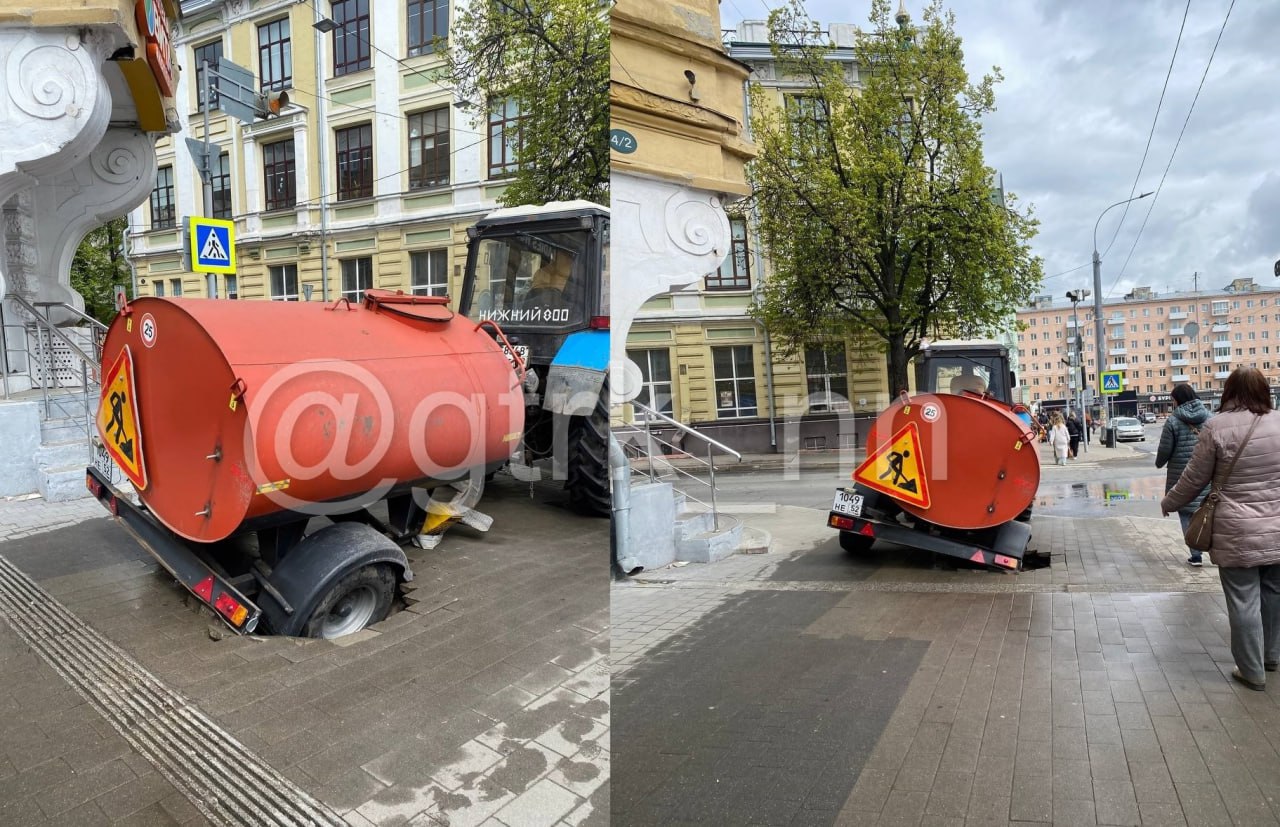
[[1082, 82]]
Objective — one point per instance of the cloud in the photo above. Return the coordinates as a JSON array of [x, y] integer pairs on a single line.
[[1082, 80]]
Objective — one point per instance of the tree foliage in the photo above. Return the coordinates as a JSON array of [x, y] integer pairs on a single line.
[[551, 57], [99, 265], [875, 203]]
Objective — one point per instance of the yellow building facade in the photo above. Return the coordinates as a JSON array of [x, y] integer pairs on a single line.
[[368, 177]]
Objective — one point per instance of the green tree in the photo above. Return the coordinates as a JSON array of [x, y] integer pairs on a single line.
[[875, 204], [551, 59], [99, 265]]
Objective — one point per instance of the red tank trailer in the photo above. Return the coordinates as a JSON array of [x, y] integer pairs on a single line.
[[238, 417]]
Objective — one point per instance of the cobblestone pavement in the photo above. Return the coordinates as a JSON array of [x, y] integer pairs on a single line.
[[1092, 692], [484, 701]]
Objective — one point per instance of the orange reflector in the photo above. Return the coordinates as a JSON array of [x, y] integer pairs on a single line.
[[867, 530], [204, 590], [1007, 562], [95, 487], [836, 521]]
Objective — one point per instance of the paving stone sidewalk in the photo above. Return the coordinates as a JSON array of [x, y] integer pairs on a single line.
[[486, 700], [1093, 692]]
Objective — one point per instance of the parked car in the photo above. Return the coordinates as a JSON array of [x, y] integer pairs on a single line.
[[1149, 417], [1129, 428]]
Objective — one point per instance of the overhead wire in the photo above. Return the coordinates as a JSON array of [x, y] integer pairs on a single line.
[[1176, 144], [1151, 133]]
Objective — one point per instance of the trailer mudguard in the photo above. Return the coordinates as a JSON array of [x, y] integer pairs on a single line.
[[577, 373], [323, 557]]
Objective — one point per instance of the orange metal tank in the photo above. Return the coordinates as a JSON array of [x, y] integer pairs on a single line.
[[245, 409], [969, 462]]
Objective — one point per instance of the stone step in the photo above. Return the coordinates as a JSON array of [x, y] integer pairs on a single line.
[[62, 484], [63, 454], [689, 523], [53, 431], [710, 546]]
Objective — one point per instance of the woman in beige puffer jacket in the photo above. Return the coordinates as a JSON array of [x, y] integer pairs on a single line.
[[1246, 526]]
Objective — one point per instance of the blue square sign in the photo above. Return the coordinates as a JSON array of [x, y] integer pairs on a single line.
[[1112, 381], [213, 245]]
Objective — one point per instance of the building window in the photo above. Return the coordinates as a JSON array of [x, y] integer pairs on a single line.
[[828, 377], [735, 379], [284, 282], [429, 149], [157, 288], [430, 273], [175, 287], [162, 210], [357, 277], [211, 52], [221, 178], [355, 161], [428, 19], [278, 175], [233, 291], [351, 38], [504, 138], [655, 371], [275, 55], [735, 271], [807, 115]]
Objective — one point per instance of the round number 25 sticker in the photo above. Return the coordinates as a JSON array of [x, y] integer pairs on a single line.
[[148, 329], [931, 411]]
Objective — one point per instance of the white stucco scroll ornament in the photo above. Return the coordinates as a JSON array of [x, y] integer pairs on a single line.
[[54, 106], [664, 237]]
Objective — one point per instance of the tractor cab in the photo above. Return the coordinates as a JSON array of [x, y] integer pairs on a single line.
[[957, 366]]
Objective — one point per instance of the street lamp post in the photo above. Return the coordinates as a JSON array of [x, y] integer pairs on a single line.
[[1101, 343], [1077, 365]]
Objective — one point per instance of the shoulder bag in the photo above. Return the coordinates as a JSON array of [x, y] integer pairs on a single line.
[[1199, 534]]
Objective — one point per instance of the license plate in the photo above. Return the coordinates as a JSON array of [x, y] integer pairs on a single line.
[[103, 462], [520, 350], [848, 503]]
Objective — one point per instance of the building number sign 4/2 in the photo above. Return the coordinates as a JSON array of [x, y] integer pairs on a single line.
[[622, 141]]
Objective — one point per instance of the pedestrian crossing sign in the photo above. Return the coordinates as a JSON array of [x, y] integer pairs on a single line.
[[896, 468], [213, 245], [1112, 381]]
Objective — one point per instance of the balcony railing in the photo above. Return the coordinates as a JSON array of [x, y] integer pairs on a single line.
[[1222, 360], [1177, 314], [1221, 327], [1177, 331], [1117, 351], [1221, 310], [1118, 366], [1178, 363], [1181, 377], [1179, 348], [1221, 374]]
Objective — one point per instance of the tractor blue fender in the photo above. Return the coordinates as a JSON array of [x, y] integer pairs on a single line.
[[317, 562], [577, 373]]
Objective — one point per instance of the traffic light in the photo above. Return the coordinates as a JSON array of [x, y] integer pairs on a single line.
[[270, 103]]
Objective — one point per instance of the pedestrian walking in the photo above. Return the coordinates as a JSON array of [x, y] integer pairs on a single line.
[[1239, 451], [1177, 441], [1073, 434], [1059, 439]]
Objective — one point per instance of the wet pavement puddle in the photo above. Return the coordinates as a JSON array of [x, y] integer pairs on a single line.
[[1096, 496]]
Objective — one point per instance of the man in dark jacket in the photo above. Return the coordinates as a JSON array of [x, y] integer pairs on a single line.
[[1073, 432], [1177, 442]]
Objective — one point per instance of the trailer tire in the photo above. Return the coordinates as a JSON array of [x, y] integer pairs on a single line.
[[588, 472], [354, 602], [856, 543]]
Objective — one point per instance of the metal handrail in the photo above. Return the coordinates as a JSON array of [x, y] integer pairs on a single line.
[[649, 414], [75, 311], [43, 323]]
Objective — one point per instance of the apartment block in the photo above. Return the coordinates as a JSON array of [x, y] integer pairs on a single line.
[[367, 177], [1155, 340]]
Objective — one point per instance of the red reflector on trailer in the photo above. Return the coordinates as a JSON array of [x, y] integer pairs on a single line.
[[95, 487], [867, 530], [977, 557], [230, 609], [1007, 562], [111, 504], [598, 323], [204, 590], [836, 521]]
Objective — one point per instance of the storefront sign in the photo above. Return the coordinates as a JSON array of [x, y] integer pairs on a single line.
[[153, 25]]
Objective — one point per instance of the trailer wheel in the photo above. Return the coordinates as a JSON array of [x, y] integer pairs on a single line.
[[588, 473], [856, 543], [356, 601]]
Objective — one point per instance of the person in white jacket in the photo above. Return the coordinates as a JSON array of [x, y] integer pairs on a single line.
[[1059, 438]]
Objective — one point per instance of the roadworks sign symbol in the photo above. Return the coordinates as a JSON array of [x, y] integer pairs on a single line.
[[897, 468], [118, 420], [213, 245]]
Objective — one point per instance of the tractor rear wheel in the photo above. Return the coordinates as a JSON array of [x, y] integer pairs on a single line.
[[588, 473]]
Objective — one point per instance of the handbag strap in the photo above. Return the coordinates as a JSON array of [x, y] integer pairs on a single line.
[[1217, 486]]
